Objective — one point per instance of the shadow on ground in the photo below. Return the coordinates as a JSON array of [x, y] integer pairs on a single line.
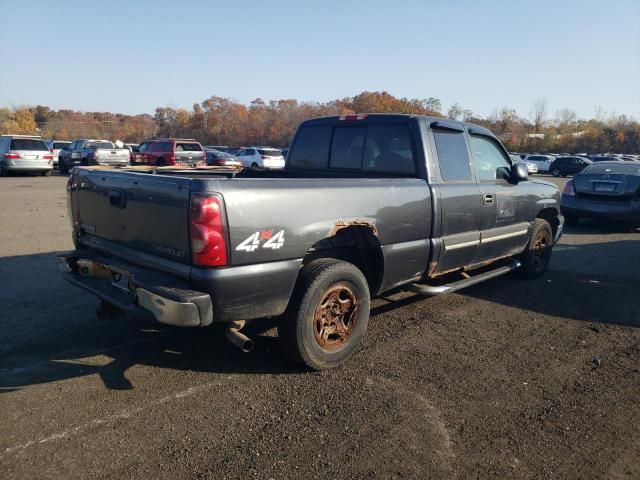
[[54, 334]]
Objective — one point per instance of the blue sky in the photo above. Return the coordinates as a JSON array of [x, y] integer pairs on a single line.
[[132, 56]]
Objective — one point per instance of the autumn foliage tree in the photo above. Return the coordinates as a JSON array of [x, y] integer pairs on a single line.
[[223, 121]]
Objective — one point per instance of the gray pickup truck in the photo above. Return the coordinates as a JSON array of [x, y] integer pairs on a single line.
[[366, 204], [91, 152]]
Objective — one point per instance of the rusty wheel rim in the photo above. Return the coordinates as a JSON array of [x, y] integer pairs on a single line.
[[335, 316], [541, 249]]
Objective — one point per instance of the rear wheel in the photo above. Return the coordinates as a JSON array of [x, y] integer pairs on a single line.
[[327, 316], [254, 165], [536, 256], [46, 173], [3, 171], [63, 168]]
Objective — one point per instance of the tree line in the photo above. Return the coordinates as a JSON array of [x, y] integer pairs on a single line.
[[223, 121]]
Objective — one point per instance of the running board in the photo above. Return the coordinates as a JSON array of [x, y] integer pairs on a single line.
[[432, 290]]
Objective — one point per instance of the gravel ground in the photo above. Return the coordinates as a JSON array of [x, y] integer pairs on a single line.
[[508, 379]]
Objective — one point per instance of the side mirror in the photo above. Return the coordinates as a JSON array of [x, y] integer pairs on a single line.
[[519, 172]]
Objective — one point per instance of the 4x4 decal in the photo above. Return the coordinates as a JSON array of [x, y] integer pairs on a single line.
[[253, 242]]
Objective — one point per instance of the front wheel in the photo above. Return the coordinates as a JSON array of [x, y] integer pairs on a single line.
[[555, 172], [536, 256], [64, 170], [328, 314]]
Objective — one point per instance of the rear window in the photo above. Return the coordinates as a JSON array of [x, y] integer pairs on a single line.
[[59, 145], [188, 147], [270, 152], [311, 147], [347, 147], [98, 145], [453, 155], [620, 168], [28, 144], [384, 148], [388, 149]]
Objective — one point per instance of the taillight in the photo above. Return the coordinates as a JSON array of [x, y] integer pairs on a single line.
[[47, 157], [12, 156], [172, 158], [208, 243], [569, 190]]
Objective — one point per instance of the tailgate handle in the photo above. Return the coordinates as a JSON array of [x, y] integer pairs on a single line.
[[117, 198]]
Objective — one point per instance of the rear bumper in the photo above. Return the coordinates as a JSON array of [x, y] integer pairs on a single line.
[[579, 207], [221, 294], [137, 292], [27, 167]]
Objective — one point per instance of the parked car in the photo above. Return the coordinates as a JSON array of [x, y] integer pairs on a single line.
[[563, 166], [541, 161], [265, 157], [349, 218], [531, 167], [171, 151], [56, 146], [215, 157], [24, 153], [220, 148], [605, 158], [603, 190], [92, 152]]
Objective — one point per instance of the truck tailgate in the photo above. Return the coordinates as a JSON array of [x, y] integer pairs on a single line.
[[145, 212], [112, 156]]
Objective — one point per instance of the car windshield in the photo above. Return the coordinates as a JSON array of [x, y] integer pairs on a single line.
[[28, 144], [59, 145], [98, 145], [616, 168], [270, 152]]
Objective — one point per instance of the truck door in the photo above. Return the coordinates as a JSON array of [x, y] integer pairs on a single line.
[[458, 198], [504, 227]]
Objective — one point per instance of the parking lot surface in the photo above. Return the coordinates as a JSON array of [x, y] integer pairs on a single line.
[[508, 379]]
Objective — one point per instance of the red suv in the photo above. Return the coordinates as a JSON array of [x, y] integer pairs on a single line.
[[170, 151]]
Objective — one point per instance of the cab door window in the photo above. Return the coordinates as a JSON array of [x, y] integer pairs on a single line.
[[490, 162]]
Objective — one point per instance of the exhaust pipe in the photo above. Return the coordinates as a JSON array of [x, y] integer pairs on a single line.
[[238, 338]]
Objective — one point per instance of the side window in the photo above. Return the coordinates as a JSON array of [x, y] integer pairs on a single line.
[[347, 147], [311, 147], [491, 164], [388, 149], [453, 156]]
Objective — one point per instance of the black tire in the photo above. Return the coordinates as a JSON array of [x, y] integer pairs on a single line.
[[571, 220], [305, 334], [46, 173], [63, 169], [161, 162], [3, 171], [537, 254], [254, 165], [556, 172]]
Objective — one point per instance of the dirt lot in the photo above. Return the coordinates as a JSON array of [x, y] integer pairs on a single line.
[[509, 379]]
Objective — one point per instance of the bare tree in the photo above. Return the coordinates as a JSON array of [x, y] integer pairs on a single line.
[[455, 111], [539, 113]]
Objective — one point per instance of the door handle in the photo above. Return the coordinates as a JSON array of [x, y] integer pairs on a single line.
[[487, 199]]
